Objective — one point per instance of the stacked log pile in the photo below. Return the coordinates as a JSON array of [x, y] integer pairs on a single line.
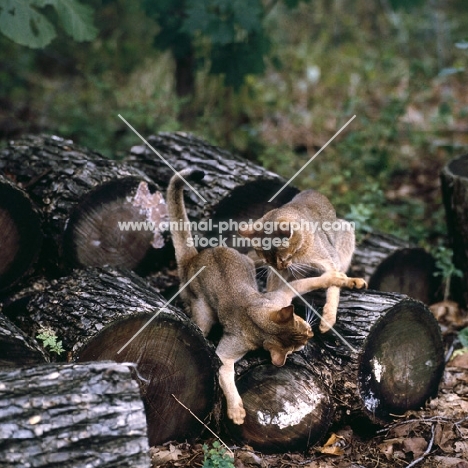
[[102, 311]]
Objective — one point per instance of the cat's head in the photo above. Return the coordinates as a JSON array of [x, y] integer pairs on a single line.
[[276, 241], [291, 334]]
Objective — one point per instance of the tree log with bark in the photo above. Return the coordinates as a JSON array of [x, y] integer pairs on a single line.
[[391, 264], [454, 179], [384, 356], [20, 234], [83, 197], [233, 188], [76, 415], [107, 314]]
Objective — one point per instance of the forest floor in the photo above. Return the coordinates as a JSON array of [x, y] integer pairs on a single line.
[[434, 437]]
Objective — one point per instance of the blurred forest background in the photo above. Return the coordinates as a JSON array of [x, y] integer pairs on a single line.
[[272, 80]]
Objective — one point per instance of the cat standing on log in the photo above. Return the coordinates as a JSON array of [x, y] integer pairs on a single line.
[[318, 240], [225, 291]]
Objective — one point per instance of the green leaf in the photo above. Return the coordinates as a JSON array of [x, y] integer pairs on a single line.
[[463, 337], [77, 19], [21, 23]]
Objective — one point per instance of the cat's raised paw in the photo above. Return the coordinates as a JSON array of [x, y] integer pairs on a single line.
[[356, 283], [237, 414]]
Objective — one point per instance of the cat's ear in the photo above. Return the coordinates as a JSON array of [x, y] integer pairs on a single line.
[[285, 229], [248, 231], [283, 315]]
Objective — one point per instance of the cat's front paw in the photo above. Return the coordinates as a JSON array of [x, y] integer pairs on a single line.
[[356, 283], [237, 413], [334, 278], [328, 318]]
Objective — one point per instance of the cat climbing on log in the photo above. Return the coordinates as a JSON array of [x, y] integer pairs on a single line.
[[219, 286], [317, 240]]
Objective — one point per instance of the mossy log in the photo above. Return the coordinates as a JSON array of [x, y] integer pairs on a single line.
[[233, 187], [391, 264], [108, 314], [76, 415], [82, 197], [384, 356], [454, 180], [20, 234], [17, 349]]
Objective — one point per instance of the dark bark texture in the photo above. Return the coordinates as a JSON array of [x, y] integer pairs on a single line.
[[17, 349], [454, 178], [20, 234], [75, 415], [391, 264], [108, 314], [82, 196]]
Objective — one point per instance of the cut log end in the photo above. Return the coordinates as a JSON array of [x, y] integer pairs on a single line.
[[402, 363], [99, 232], [170, 360], [20, 234], [287, 408]]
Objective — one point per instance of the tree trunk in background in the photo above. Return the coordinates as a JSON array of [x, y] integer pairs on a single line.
[[83, 196], [16, 349], [390, 264], [20, 234], [76, 415], [233, 187], [96, 312], [454, 179]]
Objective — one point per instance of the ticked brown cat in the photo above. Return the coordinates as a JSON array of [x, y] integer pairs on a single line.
[[313, 238], [225, 291]]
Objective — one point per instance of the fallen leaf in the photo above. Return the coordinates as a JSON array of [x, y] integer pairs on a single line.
[[161, 456], [459, 361], [415, 445]]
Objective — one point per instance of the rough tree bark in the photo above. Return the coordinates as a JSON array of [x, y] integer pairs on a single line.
[[83, 196], [104, 314], [391, 264], [389, 358], [76, 415], [233, 187], [16, 349], [20, 234], [454, 179]]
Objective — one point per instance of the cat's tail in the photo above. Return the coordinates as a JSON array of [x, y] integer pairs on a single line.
[[180, 224]]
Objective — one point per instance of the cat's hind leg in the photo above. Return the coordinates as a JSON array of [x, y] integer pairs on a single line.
[[203, 315]]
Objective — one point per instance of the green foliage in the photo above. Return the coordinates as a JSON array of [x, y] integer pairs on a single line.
[[49, 340], [216, 457], [229, 35], [463, 337], [26, 23], [445, 267]]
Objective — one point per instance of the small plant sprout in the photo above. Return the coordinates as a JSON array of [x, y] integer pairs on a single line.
[[445, 267], [216, 457], [49, 340]]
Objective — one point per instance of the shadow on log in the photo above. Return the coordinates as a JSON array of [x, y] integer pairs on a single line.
[[16, 349], [20, 234], [107, 314], [390, 264], [234, 188], [83, 196], [454, 180], [76, 415]]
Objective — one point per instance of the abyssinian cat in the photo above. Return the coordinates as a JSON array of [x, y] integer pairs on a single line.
[[225, 291], [316, 239]]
